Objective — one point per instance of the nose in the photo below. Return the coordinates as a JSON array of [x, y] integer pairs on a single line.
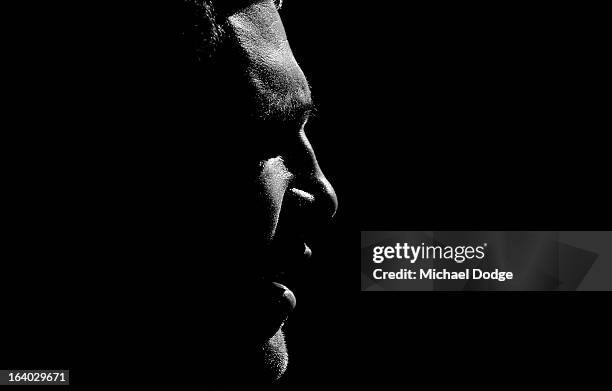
[[310, 190]]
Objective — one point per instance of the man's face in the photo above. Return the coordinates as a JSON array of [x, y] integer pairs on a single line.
[[274, 193]]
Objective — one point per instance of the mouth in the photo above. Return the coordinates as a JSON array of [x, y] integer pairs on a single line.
[[283, 304], [270, 301], [269, 304]]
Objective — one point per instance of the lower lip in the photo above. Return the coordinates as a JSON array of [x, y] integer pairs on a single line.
[[270, 311], [287, 295]]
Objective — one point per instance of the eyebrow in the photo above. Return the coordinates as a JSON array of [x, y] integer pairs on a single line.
[[288, 108], [303, 110], [231, 6]]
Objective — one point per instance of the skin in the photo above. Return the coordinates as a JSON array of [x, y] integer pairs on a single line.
[[278, 191], [278, 83]]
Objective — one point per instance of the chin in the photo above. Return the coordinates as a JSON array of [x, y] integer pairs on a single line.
[[275, 357], [259, 367]]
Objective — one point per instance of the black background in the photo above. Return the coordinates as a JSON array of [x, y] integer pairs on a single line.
[[449, 116], [431, 116], [458, 115]]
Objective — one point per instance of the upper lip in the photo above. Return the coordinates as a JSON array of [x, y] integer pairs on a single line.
[[285, 257]]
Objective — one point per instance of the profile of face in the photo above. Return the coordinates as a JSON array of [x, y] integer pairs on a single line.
[[267, 194]]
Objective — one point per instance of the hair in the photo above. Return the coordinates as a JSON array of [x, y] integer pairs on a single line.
[[201, 34]]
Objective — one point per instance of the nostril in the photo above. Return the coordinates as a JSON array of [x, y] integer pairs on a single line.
[[318, 204], [303, 197]]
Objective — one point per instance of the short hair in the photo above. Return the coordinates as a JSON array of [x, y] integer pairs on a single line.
[[201, 34], [201, 31]]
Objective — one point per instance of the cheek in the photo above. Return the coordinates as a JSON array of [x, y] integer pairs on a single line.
[[273, 183]]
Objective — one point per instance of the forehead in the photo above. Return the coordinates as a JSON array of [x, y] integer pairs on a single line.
[[230, 6], [259, 33], [259, 27]]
